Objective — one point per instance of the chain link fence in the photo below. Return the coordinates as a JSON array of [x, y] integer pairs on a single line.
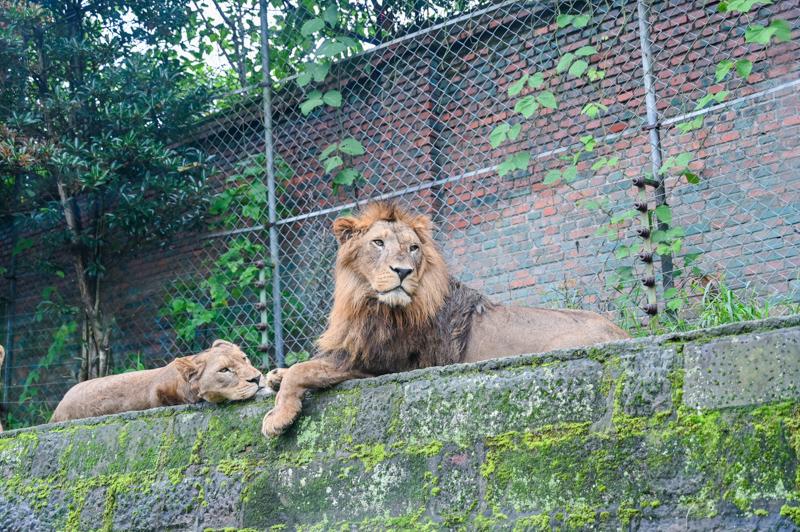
[[610, 156]]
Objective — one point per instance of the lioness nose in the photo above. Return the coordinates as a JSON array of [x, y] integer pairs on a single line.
[[402, 273], [255, 380]]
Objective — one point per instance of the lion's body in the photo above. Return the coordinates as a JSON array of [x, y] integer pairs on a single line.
[[396, 308], [185, 380]]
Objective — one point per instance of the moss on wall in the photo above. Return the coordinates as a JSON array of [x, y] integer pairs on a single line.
[[575, 440]]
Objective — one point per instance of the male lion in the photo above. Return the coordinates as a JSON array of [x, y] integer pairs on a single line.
[[217, 374], [396, 308]]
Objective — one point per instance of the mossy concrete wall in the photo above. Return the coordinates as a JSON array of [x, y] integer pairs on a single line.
[[698, 430]]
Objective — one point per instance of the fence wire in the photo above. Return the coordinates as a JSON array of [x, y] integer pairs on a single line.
[[533, 207]]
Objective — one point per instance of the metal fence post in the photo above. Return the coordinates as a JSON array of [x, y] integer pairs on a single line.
[[653, 128], [277, 321]]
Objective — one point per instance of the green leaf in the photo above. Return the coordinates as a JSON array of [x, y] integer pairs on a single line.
[[621, 217], [783, 31], [313, 101], [513, 133], [516, 87], [498, 135], [675, 232], [675, 304], [536, 81], [331, 48], [622, 252], [585, 51], [743, 68], [304, 78], [580, 21], [691, 125], [518, 161], [570, 173], [547, 99], [351, 146], [740, 6], [526, 106], [346, 177], [319, 71], [658, 236], [758, 34], [691, 177], [311, 26], [551, 177], [564, 62], [332, 163], [327, 151], [22, 245], [333, 98], [592, 109], [595, 74], [331, 15], [578, 68], [664, 213], [718, 97], [689, 258], [562, 21], [722, 70]]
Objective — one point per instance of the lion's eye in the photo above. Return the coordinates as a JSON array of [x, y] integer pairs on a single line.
[[225, 370], [378, 242], [414, 248]]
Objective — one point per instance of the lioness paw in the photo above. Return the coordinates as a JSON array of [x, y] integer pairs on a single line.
[[275, 377], [277, 421]]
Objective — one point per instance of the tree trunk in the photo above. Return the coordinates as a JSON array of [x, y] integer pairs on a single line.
[[96, 330]]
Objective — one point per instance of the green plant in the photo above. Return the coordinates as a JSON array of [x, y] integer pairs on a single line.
[[90, 128], [199, 310]]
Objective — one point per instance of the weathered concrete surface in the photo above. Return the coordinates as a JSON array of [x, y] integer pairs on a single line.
[[602, 438]]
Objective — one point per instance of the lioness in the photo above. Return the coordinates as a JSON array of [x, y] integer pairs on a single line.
[[396, 308], [218, 374]]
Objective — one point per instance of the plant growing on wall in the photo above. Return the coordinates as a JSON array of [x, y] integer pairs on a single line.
[[220, 303], [661, 235]]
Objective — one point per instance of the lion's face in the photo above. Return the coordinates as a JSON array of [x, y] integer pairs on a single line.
[[226, 374], [389, 257]]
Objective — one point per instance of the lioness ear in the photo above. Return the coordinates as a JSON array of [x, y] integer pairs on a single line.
[[218, 343], [189, 368], [344, 228]]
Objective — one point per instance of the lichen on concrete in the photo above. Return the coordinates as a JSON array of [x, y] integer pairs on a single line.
[[601, 438]]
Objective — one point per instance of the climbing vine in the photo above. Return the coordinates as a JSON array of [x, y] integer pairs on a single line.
[[660, 236]]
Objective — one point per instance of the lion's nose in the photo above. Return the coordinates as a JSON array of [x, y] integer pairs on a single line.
[[402, 273], [255, 380]]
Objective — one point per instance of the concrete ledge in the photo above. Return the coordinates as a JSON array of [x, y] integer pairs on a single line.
[[695, 430]]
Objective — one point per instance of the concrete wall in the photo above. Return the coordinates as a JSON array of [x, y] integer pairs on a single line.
[[699, 430]]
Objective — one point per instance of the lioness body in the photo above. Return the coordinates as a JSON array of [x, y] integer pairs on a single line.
[[217, 374], [396, 308]]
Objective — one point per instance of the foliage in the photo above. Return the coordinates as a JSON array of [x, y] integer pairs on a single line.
[[201, 310], [91, 117], [660, 235]]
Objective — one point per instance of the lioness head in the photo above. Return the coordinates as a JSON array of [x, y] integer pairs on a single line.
[[222, 373], [388, 254]]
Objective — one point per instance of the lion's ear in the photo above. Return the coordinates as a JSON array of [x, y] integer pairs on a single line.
[[344, 228], [423, 226], [189, 368]]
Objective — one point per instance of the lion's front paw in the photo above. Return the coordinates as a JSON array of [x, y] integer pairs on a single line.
[[275, 377], [278, 420]]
